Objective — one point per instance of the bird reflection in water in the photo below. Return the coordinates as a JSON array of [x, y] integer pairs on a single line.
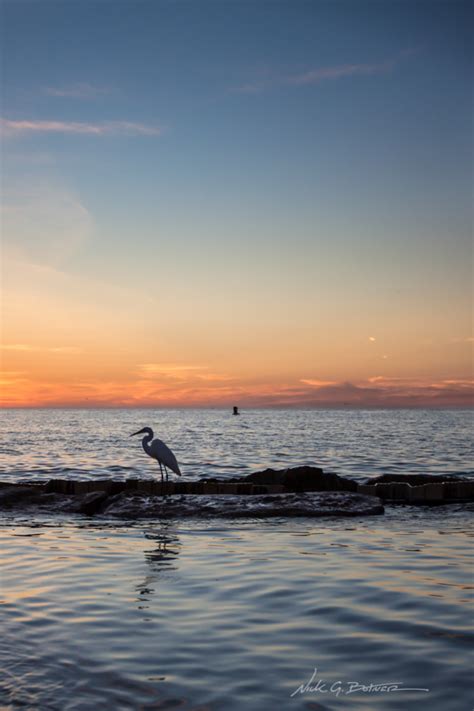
[[161, 560]]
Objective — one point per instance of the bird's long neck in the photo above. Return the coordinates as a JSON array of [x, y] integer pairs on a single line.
[[146, 442]]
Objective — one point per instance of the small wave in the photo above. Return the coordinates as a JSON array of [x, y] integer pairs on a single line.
[[45, 473], [221, 467]]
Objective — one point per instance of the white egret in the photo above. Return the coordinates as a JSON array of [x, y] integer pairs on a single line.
[[159, 451]]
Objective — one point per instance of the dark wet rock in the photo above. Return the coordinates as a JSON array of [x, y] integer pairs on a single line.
[[302, 479], [415, 479], [92, 502], [314, 504], [268, 476], [75, 486], [14, 495], [314, 479]]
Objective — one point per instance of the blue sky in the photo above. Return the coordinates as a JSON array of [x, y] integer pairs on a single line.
[[196, 148]]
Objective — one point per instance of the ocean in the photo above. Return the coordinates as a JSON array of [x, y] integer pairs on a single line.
[[230, 615], [41, 444]]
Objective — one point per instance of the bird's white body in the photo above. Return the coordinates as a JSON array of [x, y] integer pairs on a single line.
[[156, 449]]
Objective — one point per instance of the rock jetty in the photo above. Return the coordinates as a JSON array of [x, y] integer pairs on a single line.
[[298, 491]]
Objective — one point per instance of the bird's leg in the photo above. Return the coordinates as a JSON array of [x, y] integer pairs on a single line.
[[161, 472]]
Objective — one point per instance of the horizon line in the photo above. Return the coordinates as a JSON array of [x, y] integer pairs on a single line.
[[336, 406]]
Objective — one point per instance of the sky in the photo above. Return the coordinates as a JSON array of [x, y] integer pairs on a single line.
[[263, 203]]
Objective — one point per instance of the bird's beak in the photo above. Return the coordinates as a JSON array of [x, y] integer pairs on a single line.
[[135, 433]]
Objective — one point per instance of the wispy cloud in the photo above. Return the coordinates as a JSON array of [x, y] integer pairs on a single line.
[[9, 127], [181, 372], [175, 370], [317, 75], [386, 381], [81, 90], [27, 348], [10, 379]]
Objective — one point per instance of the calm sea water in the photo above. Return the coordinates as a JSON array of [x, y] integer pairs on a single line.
[[236, 615], [40, 444]]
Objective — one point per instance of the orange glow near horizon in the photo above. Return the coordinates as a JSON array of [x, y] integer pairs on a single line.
[[74, 342], [175, 385], [68, 341]]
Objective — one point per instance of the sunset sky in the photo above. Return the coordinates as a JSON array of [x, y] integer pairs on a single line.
[[253, 203]]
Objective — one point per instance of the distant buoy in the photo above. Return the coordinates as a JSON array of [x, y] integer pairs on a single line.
[[236, 410]]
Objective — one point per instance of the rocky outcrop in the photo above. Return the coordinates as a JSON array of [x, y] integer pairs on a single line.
[[267, 476], [297, 491], [302, 479], [269, 481]]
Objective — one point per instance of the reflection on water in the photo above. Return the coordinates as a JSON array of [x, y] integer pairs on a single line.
[[161, 560], [236, 615]]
